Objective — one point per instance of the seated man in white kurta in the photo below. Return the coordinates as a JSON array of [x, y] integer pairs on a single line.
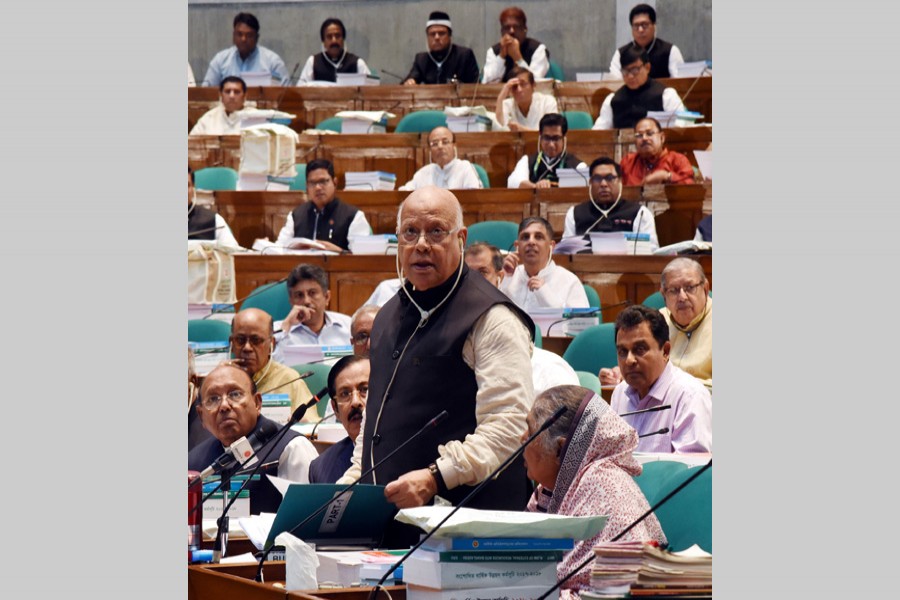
[[446, 169]]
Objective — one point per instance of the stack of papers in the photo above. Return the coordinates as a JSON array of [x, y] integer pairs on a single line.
[[385, 243], [468, 123], [369, 180], [694, 69], [685, 247], [572, 177], [364, 121], [258, 116], [621, 567], [355, 79], [571, 245], [591, 76]]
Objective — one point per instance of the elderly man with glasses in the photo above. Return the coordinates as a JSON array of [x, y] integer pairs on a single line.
[[446, 170], [229, 407], [653, 162]]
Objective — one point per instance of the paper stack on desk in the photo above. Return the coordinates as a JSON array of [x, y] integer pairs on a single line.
[[643, 569], [369, 180]]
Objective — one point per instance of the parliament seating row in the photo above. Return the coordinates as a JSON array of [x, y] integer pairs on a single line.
[[312, 105], [678, 208], [404, 153]]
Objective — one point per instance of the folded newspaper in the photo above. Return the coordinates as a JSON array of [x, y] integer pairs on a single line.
[[471, 522]]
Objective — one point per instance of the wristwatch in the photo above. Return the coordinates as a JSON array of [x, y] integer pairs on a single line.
[[438, 478]]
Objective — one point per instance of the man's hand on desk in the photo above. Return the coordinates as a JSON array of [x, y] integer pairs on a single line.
[[610, 376], [415, 488]]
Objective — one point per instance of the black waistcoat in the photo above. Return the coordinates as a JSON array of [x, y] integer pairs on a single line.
[[621, 218], [263, 495], [332, 225], [630, 106], [569, 161], [659, 57], [431, 377], [527, 49], [203, 221], [326, 71]]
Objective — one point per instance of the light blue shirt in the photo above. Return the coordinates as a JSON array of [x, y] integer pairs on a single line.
[[335, 332], [228, 62]]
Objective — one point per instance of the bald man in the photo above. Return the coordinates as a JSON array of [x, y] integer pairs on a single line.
[[446, 169], [252, 343]]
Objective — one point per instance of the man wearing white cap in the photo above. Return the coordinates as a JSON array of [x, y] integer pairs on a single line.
[[445, 62]]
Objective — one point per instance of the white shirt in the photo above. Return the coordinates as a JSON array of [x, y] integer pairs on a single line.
[[561, 289], [643, 223], [306, 75], [384, 292], [293, 464], [520, 173], [358, 226], [541, 104], [670, 98], [216, 122], [675, 59], [457, 175], [495, 67], [550, 370]]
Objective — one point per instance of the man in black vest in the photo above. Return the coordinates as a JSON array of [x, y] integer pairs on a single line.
[[229, 408], [324, 218], [605, 211], [448, 340], [640, 94], [515, 49], [664, 56], [539, 170], [334, 57], [445, 62], [204, 224]]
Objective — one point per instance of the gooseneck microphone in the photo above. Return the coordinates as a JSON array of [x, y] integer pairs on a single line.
[[428, 426], [646, 410], [546, 425], [229, 458], [637, 521], [255, 292], [662, 431]]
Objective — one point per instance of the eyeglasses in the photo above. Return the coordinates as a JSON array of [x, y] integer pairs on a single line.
[[633, 71], [410, 235], [439, 143], [318, 182], [362, 337], [639, 135], [241, 340], [212, 403], [674, 292], [553, 139], [606, 178], [642, 25], [344, 396]]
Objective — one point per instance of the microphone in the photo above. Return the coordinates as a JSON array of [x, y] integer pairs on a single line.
[[428, 426], [691, 88], [619, 536], [208, 229], [394, 75], [259, 290], [240, 448], [660, 432], [646, 410], [312, 434], [637, 234], [546, 425], [586, 313], [298, 378]]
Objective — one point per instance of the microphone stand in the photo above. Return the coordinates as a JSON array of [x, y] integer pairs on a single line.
[[250, 295], [430, 424], [653, 508], [546, 425]]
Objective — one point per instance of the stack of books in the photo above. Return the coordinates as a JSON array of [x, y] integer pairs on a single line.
[[641, 569], [462, 568], [369, 180], [572, 178]]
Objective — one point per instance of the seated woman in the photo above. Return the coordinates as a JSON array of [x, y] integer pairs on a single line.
[[583, 466], [523, 111]]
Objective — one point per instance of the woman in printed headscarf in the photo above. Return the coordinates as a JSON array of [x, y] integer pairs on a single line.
[[583, 466]]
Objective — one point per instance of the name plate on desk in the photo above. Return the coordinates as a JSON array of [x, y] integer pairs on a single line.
[[301, 355], [276, 407]]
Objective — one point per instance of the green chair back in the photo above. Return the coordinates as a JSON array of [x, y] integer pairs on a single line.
[[272, 298], [653, 478], [216, 178], [593, 298], [208, 330], [331, 124], [589, 381], [555, 72], [578, 119], [482, 175], [538, 338], [655, 300], [421, 121], [593, 349], [499, 233], [299, 182], [686, 519], [316, 381]]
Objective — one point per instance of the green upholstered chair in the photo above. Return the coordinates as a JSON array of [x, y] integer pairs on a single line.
[[555, 71], [589, 381], [686, 519], [272, 298], [655, 300], [578, 119], [499, 233], [421, 121], [216, 178], [538, 338], [316, 381], [208, 330], [593, 296], [482, 175], [299, 182], [593, 349], [331, 124], [654, 475]]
